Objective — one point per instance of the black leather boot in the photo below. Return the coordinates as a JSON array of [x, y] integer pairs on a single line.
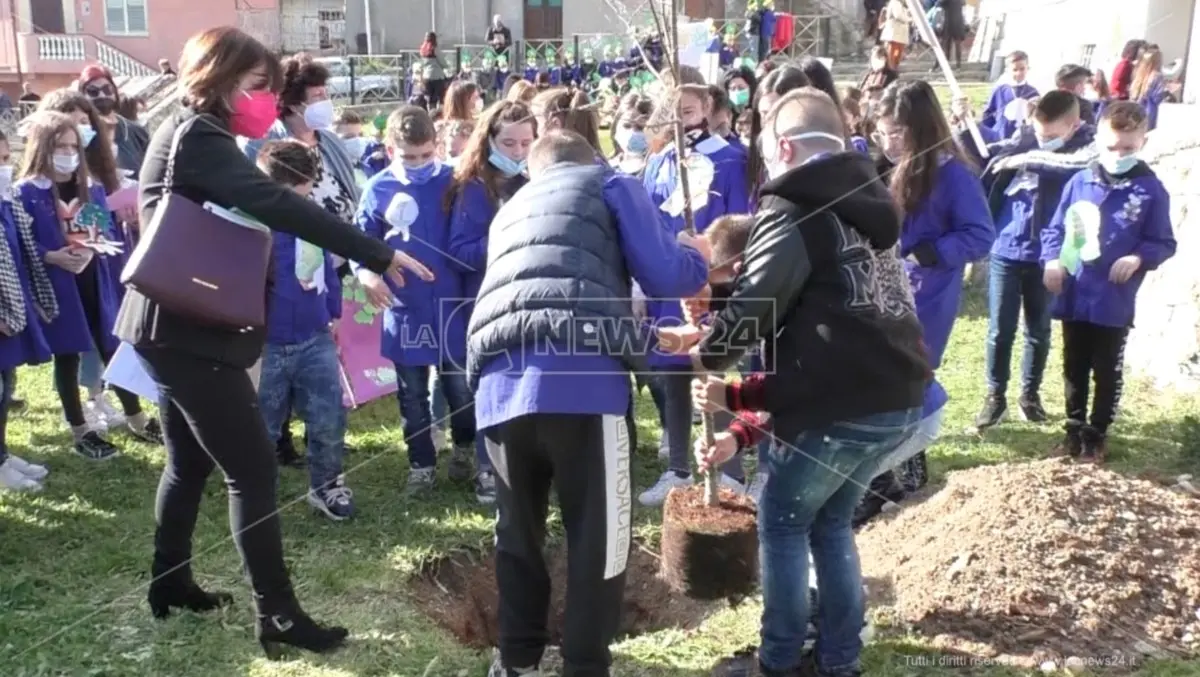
[[176, 589]]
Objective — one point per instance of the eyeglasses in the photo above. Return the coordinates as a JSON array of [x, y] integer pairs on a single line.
[[894, 136]]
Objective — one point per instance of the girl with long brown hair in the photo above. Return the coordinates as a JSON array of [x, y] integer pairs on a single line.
[[99, 154], [1149, 88], [64, 208], [463, 102], [629, 138], [489, 171], [947, 224]]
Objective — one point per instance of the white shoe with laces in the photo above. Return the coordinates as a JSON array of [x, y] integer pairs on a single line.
[[112, 416], [33, 471], [94, 419], [657, 494], [12, 479]]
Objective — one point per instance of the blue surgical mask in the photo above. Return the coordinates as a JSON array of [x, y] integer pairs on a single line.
[[86, 134], [1118, 164], [507, 166], [418, 175], [632, 141], [1052, 144]]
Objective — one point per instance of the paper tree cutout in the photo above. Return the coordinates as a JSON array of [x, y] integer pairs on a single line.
[[1081, 236]]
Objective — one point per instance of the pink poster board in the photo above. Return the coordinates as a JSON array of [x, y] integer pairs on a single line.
[[366, 375]]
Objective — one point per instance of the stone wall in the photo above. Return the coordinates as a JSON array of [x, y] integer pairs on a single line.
[[1165, 345]]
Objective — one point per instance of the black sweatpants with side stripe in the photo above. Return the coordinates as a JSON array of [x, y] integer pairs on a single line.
[[586, 459]]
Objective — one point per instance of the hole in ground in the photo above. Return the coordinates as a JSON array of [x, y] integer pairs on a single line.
[[459, 594]]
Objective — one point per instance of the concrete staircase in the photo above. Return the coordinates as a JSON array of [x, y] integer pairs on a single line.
[[920, 67]]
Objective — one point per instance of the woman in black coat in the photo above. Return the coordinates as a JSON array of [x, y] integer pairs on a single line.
[[208, 405]]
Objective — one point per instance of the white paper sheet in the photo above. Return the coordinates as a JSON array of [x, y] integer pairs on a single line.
[[125, 370]]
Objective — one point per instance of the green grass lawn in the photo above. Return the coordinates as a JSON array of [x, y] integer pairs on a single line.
[[75, 558]]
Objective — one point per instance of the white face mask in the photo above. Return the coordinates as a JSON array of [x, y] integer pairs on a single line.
[[66, 163], [319, 114], [479, 105], [775, 168]]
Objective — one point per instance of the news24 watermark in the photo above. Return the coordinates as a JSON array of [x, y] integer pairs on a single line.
[[587, 327], [1020, 662]]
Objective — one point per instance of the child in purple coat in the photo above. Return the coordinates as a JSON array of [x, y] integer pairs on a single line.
[[25, 295], [1112, 226], [62, 207]]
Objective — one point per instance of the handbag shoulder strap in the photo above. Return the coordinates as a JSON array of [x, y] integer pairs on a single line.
[[180, 131]]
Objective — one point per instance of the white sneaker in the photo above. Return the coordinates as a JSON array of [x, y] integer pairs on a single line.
[[113, 417], [657, 494], [755, 490], [12, 479], [33, 471], [94, 419]]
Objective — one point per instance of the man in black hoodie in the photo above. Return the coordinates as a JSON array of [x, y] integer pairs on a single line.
[[845, 370]]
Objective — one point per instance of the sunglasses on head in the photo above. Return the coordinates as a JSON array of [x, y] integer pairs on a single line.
[[99, 90]]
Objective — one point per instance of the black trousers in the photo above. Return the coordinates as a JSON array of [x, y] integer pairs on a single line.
[[1092, 352], [66, 367], [586, 459], [210, 420]]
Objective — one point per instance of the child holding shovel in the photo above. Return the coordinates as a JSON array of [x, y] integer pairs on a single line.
[[846, 370]]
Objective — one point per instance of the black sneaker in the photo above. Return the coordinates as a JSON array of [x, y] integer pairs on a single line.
[[995, 407], [151, 433], [884, 489], [914, 473], [335, 502], [95, 448], [1072, 444], [1095, 446], [1031, 408]]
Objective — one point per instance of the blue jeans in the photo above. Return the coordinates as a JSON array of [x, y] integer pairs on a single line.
[[91, 371], [813, 486], [440, 410], [1013, 286], [306, 377], [413, 396]]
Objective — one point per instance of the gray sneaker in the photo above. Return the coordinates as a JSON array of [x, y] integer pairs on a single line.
[[421, 480], [485, 487], [462, 463]]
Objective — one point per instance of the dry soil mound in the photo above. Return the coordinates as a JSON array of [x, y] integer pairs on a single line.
[[1044, 561]]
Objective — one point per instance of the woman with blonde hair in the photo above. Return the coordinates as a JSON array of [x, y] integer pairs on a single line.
[[1149, 87], [522, 91]]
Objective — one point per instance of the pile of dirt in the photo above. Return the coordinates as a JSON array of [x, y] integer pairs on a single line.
[[1034, 562], [459, 594]]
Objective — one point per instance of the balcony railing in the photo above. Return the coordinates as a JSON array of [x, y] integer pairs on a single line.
[[58, 53]]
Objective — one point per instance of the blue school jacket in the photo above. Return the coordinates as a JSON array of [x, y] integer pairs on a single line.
[[470, 219], [728, 194], [428, 322], [951, 228], [1025, 184], [1004, 94], [69, 333], [374, 159], [296, 314], [551, 382], [29, 345], [1134, 214]]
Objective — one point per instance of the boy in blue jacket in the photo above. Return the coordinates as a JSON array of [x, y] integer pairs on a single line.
[[998, 114], [1112, 226], [404, 206], [1025, 181], [300, 366]]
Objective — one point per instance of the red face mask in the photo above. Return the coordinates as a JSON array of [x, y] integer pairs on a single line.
[[253, 113]]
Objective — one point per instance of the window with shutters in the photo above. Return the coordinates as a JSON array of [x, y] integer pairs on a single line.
[[125, 17]]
